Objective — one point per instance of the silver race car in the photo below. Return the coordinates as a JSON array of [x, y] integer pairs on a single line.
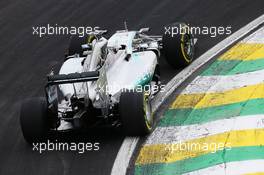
[[106, 82]]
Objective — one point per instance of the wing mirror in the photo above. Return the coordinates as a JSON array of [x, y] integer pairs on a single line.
[[99, 32], [143, 30]]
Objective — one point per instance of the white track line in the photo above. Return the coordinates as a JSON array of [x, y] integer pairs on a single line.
[[233, 168], [121, 163], [124, 154], [256, 37], [213, 84], [176, 134]]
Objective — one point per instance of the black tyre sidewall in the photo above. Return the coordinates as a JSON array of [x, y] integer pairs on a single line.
[[131, 108], [34, 120], [172, 48], [76, 42], [75, 46]]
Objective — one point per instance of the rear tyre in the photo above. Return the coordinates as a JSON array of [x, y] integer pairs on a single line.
[[136, 114], [34, 120], [179, 47]]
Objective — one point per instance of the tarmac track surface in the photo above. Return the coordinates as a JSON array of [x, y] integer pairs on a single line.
[[26, 59]]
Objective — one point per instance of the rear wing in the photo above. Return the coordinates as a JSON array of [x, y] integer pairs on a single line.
[[73, 78], [54, 80]]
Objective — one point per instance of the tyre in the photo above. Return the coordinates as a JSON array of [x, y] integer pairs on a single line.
[[76, 42], [135, 113], [178, 47], [34, 120]]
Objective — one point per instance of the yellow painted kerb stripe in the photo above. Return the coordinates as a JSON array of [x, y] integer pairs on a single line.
[[245, 52], [218, 99], [167, 153]]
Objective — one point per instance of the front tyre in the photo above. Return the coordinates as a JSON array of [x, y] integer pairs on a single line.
[[178, 45], [76, 42], [136, 114], [34, 120]]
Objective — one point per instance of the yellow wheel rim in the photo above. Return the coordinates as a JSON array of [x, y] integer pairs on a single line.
[[147, 111]]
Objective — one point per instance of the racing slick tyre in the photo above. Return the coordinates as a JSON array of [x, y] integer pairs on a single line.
[[178, 45], [136, 114], [34, 120], [76, 42]]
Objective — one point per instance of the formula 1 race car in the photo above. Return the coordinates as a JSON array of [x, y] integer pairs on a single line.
[[106, 82]]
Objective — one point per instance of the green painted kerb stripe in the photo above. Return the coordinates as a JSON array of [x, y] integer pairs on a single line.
[[178, 117], [204, 161], [231, 67]]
